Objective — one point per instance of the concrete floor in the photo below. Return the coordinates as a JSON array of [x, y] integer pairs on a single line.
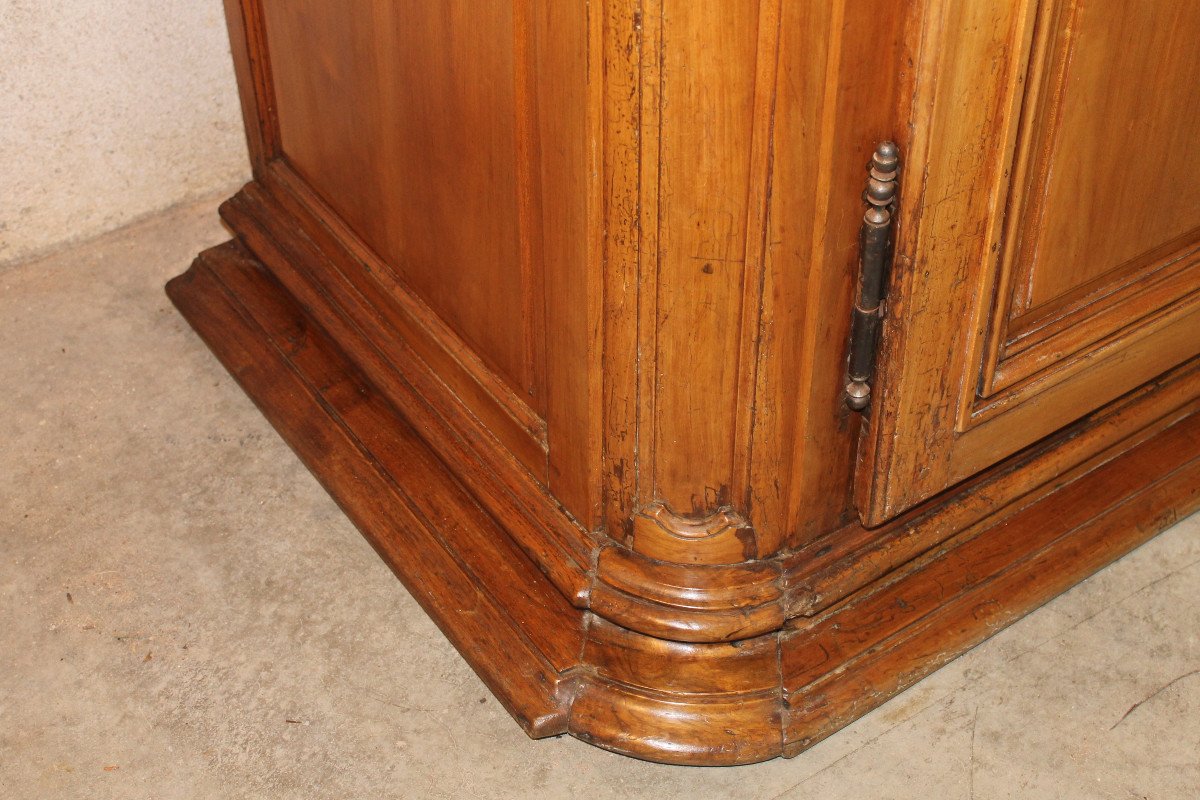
[[185, 613]]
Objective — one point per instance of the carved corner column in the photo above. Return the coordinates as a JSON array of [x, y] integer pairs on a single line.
[[734, 161], [689, 198]]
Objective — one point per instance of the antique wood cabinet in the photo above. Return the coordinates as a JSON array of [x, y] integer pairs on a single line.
[[556, 298]]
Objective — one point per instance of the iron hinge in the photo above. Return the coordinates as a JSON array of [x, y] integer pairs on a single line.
[[874, 247]]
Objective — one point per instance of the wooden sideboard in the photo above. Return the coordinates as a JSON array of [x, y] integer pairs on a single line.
[[557, 299]]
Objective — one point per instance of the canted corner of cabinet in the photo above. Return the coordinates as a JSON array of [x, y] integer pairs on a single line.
[[674, 662], [516, 336]]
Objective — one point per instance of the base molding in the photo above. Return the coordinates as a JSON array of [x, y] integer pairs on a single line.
[[819, 637]]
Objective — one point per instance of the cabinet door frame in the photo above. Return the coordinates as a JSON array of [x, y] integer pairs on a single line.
[[945, 408]]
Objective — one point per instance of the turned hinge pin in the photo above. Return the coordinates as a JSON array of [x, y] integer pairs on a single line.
[[874, 245]]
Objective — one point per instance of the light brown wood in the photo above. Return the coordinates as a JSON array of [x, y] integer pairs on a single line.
[[555, 299], [829, 117], [429, 165], [1043, 230], [1069, 268], [466, 191], [771, 688], [1139, 161]]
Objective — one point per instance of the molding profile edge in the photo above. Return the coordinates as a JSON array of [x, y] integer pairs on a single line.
[[675, 662]]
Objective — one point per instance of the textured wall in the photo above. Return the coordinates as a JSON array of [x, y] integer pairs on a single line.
[[110, 110]]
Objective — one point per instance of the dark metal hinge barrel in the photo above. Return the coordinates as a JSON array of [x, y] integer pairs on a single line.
[[874, 251]]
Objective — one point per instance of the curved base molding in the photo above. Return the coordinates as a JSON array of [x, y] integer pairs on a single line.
[[687, 664]]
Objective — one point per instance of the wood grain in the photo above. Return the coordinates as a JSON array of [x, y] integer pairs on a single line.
[[1070, 272], [431, 166], [830, 115], [405, 378], [553, 298], [1141, 165], [707, 110], [1010, 99], [255, 86], [556, 667], [336, 423]]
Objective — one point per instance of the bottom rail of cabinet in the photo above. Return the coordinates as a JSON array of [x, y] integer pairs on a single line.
[[562, 669]]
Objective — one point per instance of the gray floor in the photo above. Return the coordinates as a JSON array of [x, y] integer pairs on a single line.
[[184, 613]]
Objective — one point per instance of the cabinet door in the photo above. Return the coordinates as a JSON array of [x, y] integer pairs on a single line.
[[1048, 249]]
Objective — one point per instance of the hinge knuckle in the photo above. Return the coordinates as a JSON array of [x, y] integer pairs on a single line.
[[874, 252]]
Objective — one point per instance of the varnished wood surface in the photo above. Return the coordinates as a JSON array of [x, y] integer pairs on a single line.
[[829, 116], [1134, 66], [339, 424], [463, 186], [723, 362], [559, 668], [256, 89], [554, 299], [1043, 268], [417, 150], [708, 183], [664, 589], [1074, 269], [405, 376]]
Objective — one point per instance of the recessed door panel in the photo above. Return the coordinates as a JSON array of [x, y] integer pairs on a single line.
[[1108, 136]]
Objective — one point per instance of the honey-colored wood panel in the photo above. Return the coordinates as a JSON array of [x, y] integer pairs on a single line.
[[568, 72], [1122, 136], [255, 89], [414, 121], [804, 66], [625, 147], [1075, 272], [982, 77], [828, 117], [756, 422], [559, 668], [707, 93], [968, 59], [726, 657]]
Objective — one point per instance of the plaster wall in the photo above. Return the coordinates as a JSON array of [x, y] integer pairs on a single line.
[[111, 110]]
